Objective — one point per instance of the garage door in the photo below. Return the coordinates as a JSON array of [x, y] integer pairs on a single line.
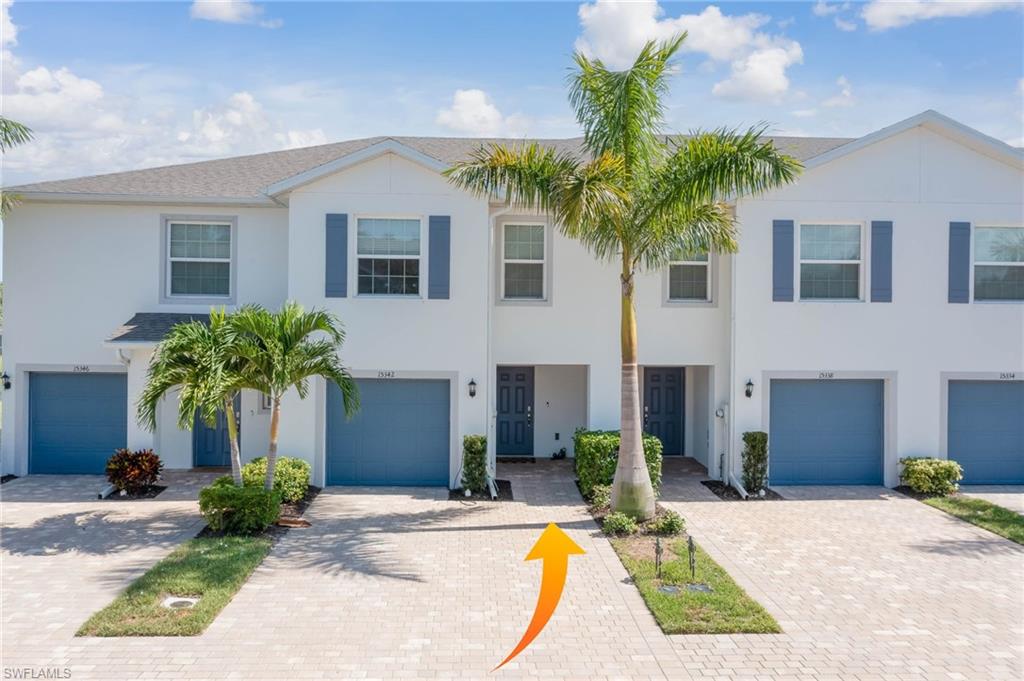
[[825, 432], [76, 421], [401, 435], [986, 431]]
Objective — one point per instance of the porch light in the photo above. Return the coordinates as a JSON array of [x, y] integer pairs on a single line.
[[750, 388], [472, 388], [6, 380]]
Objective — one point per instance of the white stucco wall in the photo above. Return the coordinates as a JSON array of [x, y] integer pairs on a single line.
[[920, 180], [560, 400], [408, 337], [75, 272]]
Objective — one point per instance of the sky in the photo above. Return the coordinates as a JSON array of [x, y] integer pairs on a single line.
[[118, 86]]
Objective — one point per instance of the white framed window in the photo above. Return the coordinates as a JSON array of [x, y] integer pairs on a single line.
[[689, 277], [266, 402], [998, 263], [388, 253], [831, 261], [199, 255], [523, 261]]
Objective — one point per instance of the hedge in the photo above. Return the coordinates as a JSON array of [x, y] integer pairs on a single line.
[[597, 454]]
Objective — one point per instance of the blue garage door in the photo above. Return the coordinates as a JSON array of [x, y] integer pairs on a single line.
[[399, 437], [76, 421], [986, 431], [826, 432]]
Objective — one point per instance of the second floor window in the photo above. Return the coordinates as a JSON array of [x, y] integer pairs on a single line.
[[830, 262], [199, 259], [388, 250], [689, 277], [523, 258], [999, 263]]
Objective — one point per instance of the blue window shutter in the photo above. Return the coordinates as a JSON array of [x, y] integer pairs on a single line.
[[440, 247], [782, 260], [336, 250], [959, 262], [881, 261]]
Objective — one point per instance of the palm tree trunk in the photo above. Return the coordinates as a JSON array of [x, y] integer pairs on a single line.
[[236, 454], [632, 492], [275, 421]]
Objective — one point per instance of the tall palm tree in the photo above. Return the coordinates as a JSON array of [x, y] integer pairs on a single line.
[[12, 133], [637, 197], [203, 363], [280, 352]]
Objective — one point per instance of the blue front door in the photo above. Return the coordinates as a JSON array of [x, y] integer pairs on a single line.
[[515, 411], [663, 407], [826, 432], [211, 447], [75, 421], [986, 431], [400, 436]]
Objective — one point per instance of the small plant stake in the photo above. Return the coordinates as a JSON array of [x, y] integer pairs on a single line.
[[657, 556], [693, 586]]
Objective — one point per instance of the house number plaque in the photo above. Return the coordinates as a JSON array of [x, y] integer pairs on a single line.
[[387, 373]]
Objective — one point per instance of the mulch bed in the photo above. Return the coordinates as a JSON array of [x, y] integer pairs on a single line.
[[729, 493], [905, 490], [149, 493], [599, 512], [8, 478], [504, 493], [291, 516]]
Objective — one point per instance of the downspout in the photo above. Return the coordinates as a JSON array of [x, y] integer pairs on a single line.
[[727, 473], [492, 459]]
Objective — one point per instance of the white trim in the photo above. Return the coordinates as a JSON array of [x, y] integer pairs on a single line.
[[974, 265], [710, 265], [157, 199], [423, 257], [543, 262], [498, 233], [166, 297], [890, 457], [388, 146], [936, 122], [862, 262]]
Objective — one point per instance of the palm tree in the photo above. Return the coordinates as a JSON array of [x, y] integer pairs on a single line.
[[638, 197], [280, 353], [202, 362], [12, 133]]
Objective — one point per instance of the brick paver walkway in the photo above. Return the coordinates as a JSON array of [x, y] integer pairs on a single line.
[[402, 583], [1007, 496]]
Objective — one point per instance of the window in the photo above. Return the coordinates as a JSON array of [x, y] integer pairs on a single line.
[[266, 402], [389, 256], [999, 263], [523, 262], [199, 259], [830, 262], [689, 277]]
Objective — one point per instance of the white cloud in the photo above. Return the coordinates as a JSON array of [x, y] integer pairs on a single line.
[[805, 113], [294, 139], [1020, 86], [844, 25], [231, 12], [614, 32], [881, 14], [824, 9], [845, 96], [473, 113], [8, 31]]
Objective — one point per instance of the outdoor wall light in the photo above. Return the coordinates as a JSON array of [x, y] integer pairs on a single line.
[[6, 380], [750, 388], [472, 388]]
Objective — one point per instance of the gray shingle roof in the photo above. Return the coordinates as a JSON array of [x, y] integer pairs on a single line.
[[246, 177], [145, 327]]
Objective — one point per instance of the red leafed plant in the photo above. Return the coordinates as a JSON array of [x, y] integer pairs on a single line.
[[134, 472]]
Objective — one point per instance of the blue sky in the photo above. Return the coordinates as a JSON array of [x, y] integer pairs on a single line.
[[115, 86]]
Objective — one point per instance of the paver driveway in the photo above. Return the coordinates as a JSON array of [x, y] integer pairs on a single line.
[[402, 583], [1007, 496]]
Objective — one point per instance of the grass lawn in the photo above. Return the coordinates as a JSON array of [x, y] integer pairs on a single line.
[[726, 610], [989, 516], [212, 569]]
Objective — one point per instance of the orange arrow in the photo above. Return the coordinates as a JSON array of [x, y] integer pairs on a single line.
[[555, 547]]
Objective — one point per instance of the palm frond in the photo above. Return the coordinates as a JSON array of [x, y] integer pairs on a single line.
[[529, 175], [13, 133]]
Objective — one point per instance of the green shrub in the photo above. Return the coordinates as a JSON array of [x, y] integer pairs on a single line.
[[667, 524], [755, 461], [134, 472], [474, 463], [238, 510], [601, 496], [619, 523], [597, 453], [931, 476], [291, 476]]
